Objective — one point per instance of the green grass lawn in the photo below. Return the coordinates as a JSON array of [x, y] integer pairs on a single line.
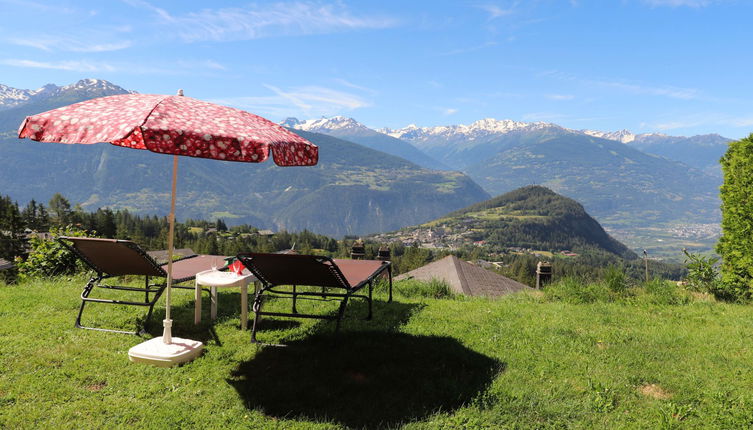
[[519, 362]]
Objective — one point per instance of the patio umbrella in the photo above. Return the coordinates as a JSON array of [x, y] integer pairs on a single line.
[[174, 125]]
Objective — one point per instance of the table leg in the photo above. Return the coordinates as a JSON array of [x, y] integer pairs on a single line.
[[213, 298], [244, 305], [197, 303]]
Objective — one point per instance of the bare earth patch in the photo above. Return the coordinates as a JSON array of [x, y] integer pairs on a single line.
[[96, 386], [654, 391]]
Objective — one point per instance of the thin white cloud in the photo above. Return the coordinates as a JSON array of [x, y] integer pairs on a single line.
[[41, 7], [56, 43], [709, 120], [741, 121], [349, 84], [674, 125], [449, 111], [678, 3], [560, 97], [666, 91], [495, 11], [73, 66], [630, 87], [264, 20], [200, 64], [307, 97], [467, 50], [179, 67], [309, 101]]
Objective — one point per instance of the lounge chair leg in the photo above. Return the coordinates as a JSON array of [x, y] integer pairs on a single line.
[[146, 320], [371, 289], [84, 294], [80, 312], [389, 274], [341, 313], [256, 309]]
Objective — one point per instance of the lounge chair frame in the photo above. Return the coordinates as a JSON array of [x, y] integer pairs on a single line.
[[312, 271], [149, 269]]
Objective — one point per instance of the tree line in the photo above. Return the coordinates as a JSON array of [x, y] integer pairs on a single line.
[[216, 238]]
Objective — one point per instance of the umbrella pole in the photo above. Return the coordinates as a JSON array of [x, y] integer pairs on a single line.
[[168, 323], [166, 351]]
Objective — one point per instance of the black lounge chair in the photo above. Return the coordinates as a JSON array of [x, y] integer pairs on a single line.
[[110, 258], [338, 279]]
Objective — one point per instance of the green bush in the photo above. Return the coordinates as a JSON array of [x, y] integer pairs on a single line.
[[661, 292], [574, 290], [434, 289], [49, 258], [615, 280], [703, 276], [736, 244], [615, 288]]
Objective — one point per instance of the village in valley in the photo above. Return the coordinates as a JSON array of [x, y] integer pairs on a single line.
[[446, 237]]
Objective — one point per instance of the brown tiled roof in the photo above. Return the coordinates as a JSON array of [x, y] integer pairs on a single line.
[[466, 278]]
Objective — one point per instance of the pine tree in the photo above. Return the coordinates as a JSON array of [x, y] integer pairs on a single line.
[[60, 208], [11, 230]]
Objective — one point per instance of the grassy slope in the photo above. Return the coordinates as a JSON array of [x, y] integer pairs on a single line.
[[519, 362]]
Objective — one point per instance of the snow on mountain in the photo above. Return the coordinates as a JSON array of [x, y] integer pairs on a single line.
[[11, 97], [93, 85], [322, 125], [623, 136], [353, 131], [483, 127]]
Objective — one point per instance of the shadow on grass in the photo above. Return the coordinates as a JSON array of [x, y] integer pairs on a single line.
[[364, 379]]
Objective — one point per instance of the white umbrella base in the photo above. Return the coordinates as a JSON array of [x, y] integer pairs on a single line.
[[158, 353]]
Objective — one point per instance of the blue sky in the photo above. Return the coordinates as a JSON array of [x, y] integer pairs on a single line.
[[680, 67]]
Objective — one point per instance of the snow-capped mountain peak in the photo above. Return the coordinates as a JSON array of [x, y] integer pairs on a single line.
[[11, 97], [482, 127], [623, 136], [92, 84], [335, 123]]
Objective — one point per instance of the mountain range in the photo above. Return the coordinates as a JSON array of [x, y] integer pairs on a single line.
[[12, 97], [353, 190], [702, 151], [621, 178], [378, 179]]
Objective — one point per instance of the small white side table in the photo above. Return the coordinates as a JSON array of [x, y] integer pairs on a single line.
[[214, 279]]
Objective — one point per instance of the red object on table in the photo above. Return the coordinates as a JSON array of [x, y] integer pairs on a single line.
[[237, 267]]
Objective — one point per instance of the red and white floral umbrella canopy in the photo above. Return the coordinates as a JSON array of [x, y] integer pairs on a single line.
[[172, 125]]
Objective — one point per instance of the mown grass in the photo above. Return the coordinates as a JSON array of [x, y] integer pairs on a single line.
[[525, 361]]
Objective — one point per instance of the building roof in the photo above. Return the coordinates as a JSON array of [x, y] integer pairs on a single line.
[[466, 278], [5, 264]]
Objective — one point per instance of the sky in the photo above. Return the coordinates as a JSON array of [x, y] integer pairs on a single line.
[[679, 67]]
